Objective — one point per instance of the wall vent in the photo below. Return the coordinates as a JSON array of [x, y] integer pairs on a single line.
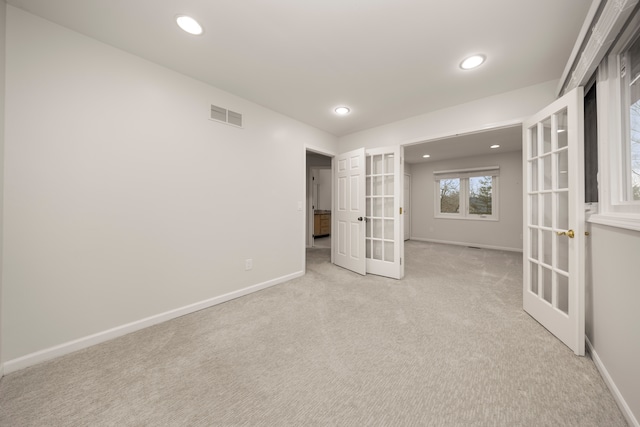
[[223, 115]]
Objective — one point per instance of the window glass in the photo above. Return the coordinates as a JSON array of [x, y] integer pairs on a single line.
[[630, 73], [480, 195], [450, 196]]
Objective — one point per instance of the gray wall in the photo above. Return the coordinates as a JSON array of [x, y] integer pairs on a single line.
[[502, 234], [3, 10], [612, 314]]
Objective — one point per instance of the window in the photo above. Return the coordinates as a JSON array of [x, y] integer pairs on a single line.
[[618, 111], [466, 194], [630, 94]]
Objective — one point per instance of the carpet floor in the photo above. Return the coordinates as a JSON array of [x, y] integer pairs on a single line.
[[449, 345]]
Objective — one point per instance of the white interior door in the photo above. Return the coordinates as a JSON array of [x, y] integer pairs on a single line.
[[553, 291], [349, 206], [384, 227]]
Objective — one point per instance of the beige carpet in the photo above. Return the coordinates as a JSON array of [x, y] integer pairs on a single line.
[[447, 346]]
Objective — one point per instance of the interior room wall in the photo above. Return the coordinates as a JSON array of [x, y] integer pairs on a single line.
[[123, 201], [324, 189], [612, 315], [506, 108], [502, 234], [3, 11]]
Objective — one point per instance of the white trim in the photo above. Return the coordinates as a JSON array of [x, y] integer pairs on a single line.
[[488, 170], [118, 331], [579, 42], [629, 222], [604, 32], [475, 245], [622, 404], [465, 131]]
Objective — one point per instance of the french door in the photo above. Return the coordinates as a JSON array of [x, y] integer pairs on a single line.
[[553, 268], [368, 220]]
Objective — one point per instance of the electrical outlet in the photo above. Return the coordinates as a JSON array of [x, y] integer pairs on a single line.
[[248, 264]]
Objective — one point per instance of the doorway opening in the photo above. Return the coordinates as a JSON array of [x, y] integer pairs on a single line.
[[319, 200]]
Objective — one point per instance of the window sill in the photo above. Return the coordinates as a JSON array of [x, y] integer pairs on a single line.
[[626, 221]]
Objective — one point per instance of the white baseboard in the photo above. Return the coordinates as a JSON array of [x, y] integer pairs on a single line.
[[88, 341], [622, 404], [475, 245]]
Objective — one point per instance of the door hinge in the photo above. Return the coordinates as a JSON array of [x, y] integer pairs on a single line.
[[400, 261], [400, 211]]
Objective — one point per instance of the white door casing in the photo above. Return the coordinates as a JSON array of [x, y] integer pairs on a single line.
[[553, 235], [349, 211], [406, 211]]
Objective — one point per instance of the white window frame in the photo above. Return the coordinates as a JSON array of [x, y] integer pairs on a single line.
[[614, 210], [463, 175]]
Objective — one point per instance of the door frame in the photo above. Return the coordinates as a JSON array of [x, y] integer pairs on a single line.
[[306, 205]]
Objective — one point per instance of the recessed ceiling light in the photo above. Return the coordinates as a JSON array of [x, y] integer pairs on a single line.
[[189, 25], [472, 62], [342, 110], [495, 146], [426, 156]]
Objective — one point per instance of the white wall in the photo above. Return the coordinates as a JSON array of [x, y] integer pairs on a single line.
[[502, 234], [324, 189], [123, 201], [3, 11], [507, 108], [612, 315]]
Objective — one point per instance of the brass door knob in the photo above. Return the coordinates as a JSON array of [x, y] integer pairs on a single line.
[[569, 233]]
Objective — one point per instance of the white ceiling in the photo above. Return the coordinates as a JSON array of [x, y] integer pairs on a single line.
[[386, 59], [468, 145]]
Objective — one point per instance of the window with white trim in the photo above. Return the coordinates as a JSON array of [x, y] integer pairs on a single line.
[[467, 194], [618, 88]]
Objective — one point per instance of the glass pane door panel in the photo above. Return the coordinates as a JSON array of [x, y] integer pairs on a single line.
[[547, 243], [534, 209], [377, 228], [388, 251], [377, 186], [562, 287], [367, 227], [534, 278], [388, 163], [563, 139], [533, 131], [547, 172], [368, 189], [368, 164], [368, 249], [547, 209], [377, 250], [562, 210], [563, 169], [562, 253], [388, 229], [377, 164], [368, 211], [547, 286], [534, 243], [377, 206], [388, 185], [546, 135], [388, 207], [534, 175]]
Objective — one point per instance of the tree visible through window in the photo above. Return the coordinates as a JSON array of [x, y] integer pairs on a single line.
[[466, 194], [450, 195], [480, 202]]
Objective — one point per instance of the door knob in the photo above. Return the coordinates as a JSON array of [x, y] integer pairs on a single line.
[[569, 233], [360, 218]]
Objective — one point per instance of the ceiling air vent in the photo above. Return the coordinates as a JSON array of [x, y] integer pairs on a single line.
[[226, 116]]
